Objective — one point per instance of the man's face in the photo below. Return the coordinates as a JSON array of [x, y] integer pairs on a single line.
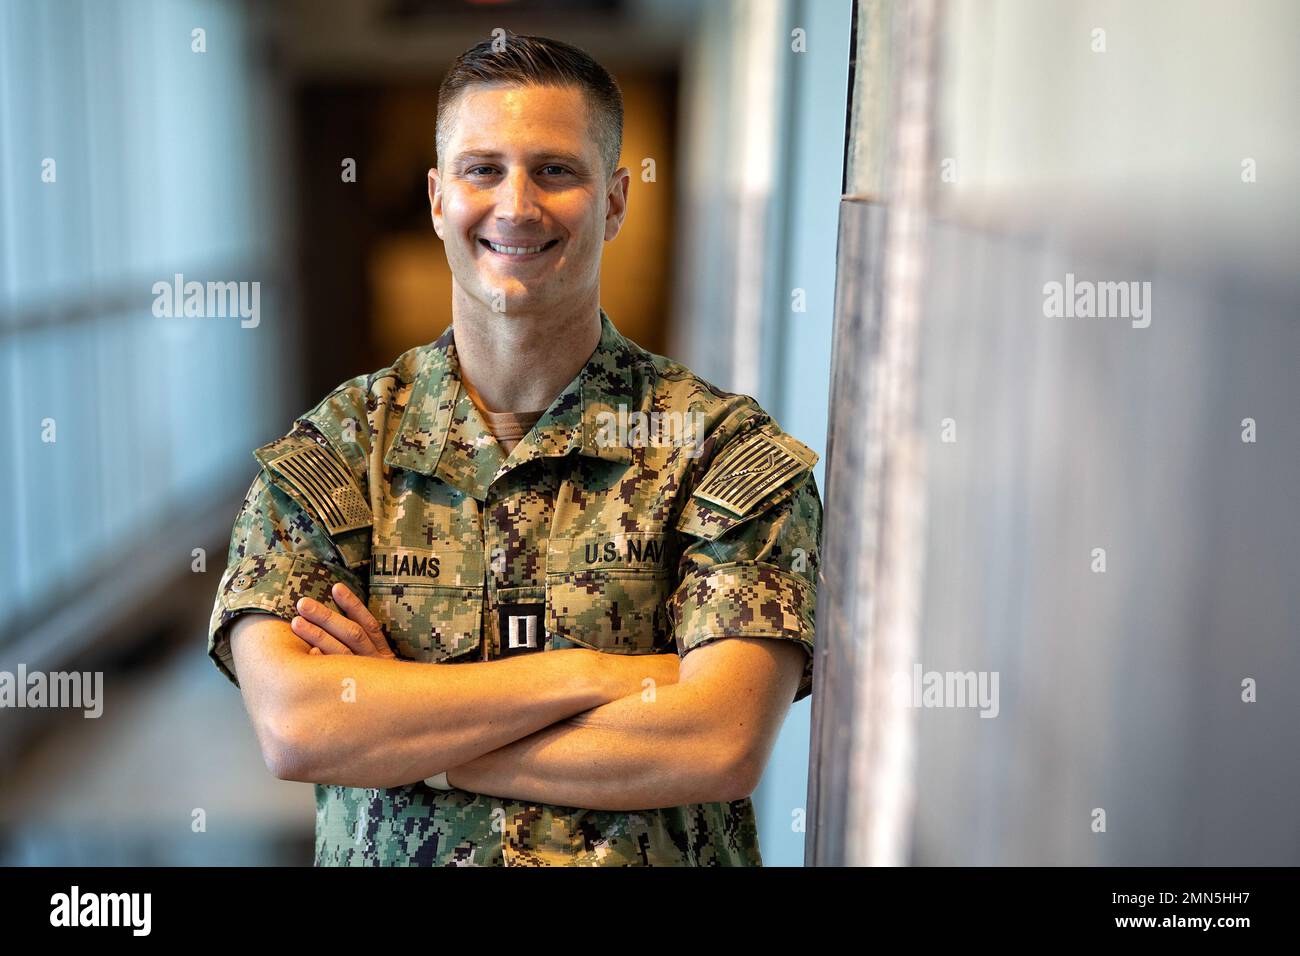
[[521, 201]]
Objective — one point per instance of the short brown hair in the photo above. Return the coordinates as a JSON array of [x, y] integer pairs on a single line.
[[538, 61]]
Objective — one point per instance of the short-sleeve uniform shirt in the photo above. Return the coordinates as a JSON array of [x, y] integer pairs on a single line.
[[646, 512]]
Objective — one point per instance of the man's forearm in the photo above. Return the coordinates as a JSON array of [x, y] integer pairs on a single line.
[[366, 722], [630, 754]]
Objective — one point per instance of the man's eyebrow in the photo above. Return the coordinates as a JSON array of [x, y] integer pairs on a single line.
[[468, 154]]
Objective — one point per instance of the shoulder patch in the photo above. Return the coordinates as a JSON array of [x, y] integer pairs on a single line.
[[319, 479], [751, 468]]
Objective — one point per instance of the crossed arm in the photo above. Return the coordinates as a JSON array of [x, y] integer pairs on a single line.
[[701, 740], [331, 704]]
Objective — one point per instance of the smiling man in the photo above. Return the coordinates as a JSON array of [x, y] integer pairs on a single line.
[[491, 630]]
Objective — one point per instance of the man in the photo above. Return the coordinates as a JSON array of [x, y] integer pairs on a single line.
[[618, 558]]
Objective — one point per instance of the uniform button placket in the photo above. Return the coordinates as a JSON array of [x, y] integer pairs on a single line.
[[486, 590]]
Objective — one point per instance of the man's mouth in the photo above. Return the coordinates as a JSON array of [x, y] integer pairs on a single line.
[[516, 250]]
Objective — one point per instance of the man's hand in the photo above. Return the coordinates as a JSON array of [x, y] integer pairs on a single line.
[[329, 632], [624, 675]]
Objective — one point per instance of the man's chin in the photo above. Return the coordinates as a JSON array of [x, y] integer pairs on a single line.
[[513, 298]]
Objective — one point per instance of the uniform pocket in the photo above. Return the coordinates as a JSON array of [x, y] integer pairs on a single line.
[[623, 612], [610, 593], [429, 623]]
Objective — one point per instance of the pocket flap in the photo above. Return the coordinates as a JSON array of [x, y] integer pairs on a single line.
[[617, 611], [429, 623]]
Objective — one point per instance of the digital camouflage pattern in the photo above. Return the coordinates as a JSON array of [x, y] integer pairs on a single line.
[[395, 486]]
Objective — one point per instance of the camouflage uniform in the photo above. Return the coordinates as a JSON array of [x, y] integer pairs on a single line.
[[605, 540]]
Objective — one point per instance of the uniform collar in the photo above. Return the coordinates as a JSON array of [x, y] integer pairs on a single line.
[[442, 433]]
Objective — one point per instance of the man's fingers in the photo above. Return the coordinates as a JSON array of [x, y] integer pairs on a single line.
[[336, 625], [317, 638], [358, 632], [356, 609]]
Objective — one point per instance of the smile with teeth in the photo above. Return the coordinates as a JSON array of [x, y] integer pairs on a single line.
[[517, 250]]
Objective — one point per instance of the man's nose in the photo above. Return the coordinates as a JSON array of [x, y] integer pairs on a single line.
[[517, 201]]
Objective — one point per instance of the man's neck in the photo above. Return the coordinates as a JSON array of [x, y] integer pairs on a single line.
[[520, 362]]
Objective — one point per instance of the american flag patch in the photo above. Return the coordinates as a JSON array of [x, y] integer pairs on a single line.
[[321, 480], [750, 469]]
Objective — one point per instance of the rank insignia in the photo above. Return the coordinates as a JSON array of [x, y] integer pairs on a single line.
[[522, 628]]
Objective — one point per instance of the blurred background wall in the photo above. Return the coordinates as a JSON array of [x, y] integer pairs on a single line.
[[207, 139], [128, 158], [1102, 513]]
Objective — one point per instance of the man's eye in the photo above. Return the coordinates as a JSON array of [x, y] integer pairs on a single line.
[[550, 169]]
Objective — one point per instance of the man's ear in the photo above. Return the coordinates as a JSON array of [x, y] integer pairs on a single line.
[[435, 200], [617, 202]]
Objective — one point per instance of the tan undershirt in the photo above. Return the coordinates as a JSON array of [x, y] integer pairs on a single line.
[[508, 428]]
